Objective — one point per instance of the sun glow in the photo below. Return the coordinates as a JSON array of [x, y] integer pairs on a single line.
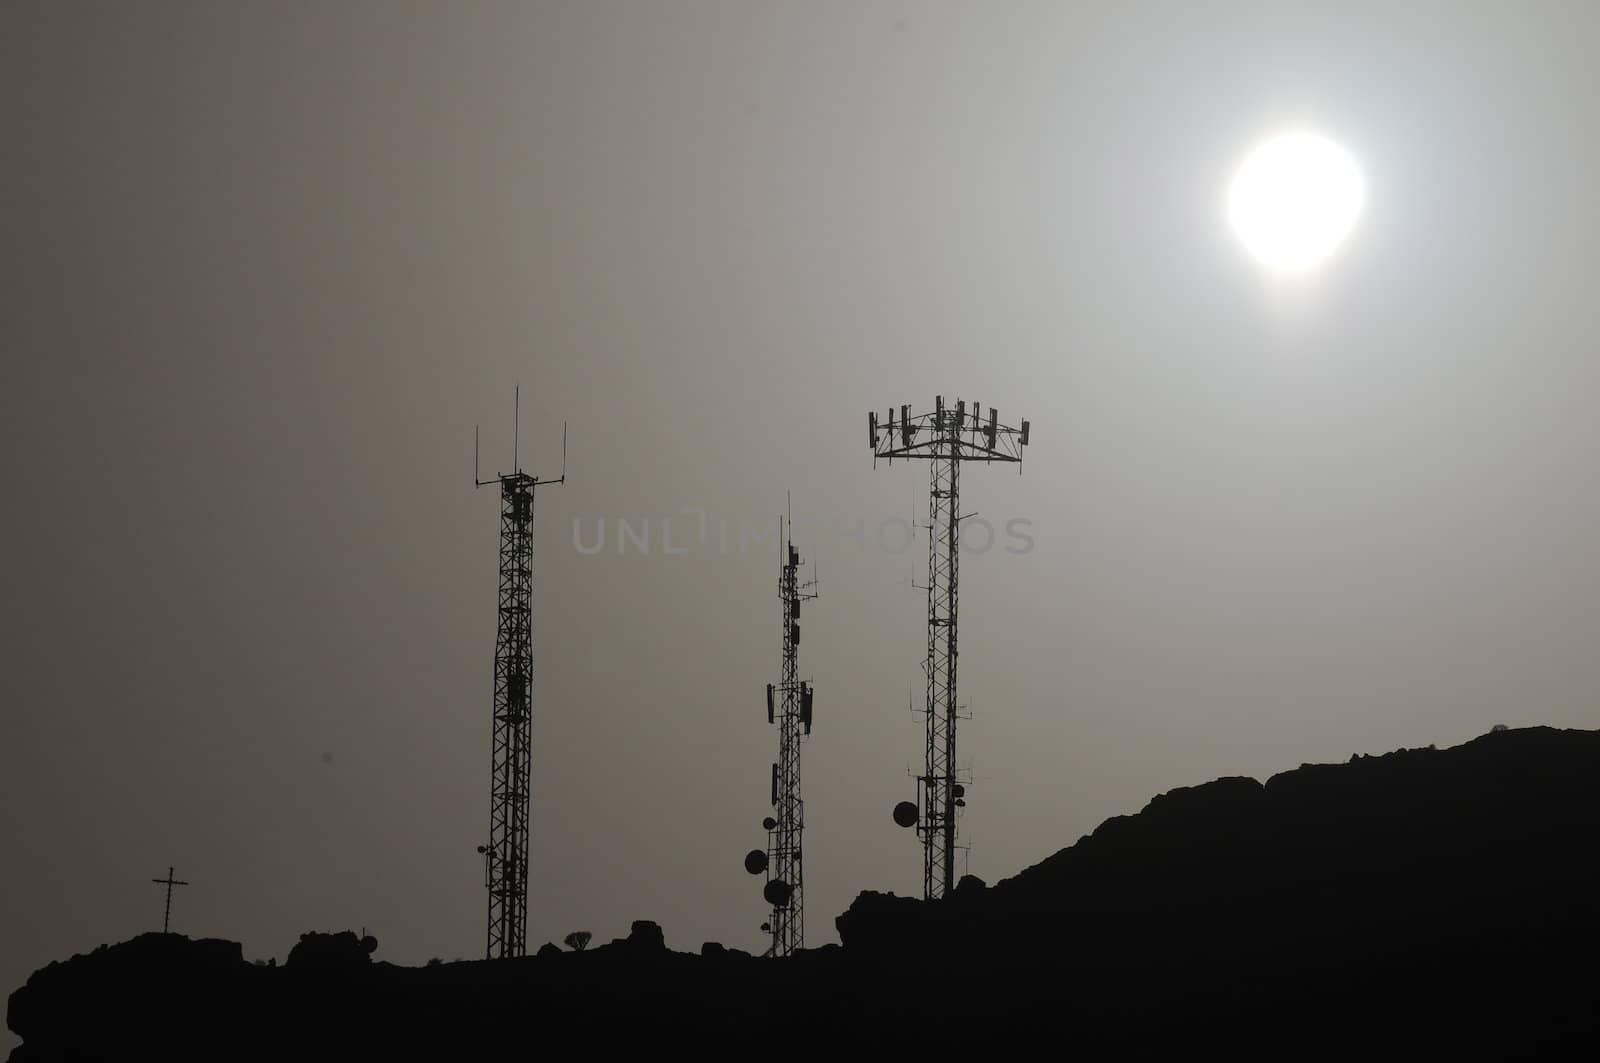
[[1294, 200]]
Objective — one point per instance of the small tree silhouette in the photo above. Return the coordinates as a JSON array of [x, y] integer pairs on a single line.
[[578, 940]]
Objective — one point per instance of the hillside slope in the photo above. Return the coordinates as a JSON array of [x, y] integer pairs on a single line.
[[1430, 900], [1487, 844]]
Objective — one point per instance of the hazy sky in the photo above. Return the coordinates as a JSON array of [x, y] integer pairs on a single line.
[[266, 266]]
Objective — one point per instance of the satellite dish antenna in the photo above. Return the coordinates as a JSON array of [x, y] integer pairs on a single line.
[[960, 791], [905, 814], [777, 893], [755, 861], [769, 824]]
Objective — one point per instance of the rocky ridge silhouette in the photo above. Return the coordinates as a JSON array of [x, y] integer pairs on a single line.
[[1425, 900]]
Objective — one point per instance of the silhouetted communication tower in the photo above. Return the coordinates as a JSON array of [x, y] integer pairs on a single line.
[[946, 437], [505, 858], [789, 706]]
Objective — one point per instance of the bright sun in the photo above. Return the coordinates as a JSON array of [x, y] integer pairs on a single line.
[[1294, 200]]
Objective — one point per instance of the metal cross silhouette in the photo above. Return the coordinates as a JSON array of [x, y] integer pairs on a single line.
[[169, 882]]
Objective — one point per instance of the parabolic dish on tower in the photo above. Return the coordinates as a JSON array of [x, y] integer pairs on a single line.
[[905, 814]]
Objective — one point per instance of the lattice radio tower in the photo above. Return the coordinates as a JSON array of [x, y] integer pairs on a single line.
[[789, 706], [505, 858], [946, 438]]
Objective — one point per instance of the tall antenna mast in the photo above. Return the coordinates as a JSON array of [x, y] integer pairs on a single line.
[[505, 857], [945, 438], [788, 706]]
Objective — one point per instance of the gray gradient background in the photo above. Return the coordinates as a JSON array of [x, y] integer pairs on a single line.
[[266, 265]]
